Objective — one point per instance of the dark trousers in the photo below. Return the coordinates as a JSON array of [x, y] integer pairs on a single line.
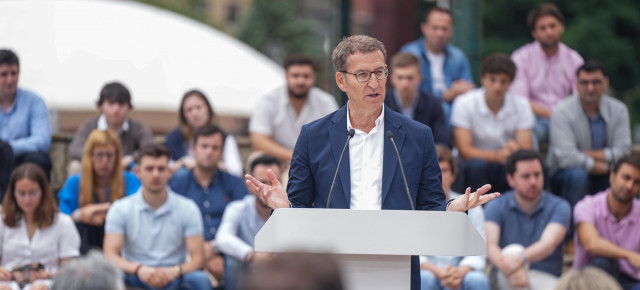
[[612, 267], [6, 166]]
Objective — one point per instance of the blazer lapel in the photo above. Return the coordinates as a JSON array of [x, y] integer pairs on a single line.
[[390, 160], [338, 137]]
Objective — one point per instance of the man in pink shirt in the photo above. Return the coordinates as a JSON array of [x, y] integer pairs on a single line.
[[547, 68], [608, 232]]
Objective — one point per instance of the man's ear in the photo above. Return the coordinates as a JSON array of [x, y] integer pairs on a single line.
[[341, 81]]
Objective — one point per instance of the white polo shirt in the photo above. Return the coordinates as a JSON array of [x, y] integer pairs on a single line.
[[489, 131], [275, 117]]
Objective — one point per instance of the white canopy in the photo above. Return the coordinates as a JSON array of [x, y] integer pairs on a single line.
[[69, 49]]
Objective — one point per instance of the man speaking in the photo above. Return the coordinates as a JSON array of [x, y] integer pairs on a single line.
[[350, 158]]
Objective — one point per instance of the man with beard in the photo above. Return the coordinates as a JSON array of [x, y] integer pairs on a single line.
[[211, 189], [589, 132], [525, 227], [149, 233], [279, 115], [546, 67], [241, 222], [607, 233]]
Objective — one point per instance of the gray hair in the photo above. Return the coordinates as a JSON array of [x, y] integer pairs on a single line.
[[89, 272], [355, 44]]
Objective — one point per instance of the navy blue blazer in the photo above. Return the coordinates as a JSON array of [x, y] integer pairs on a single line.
[[428, 111], [316, 154], [318, 148]]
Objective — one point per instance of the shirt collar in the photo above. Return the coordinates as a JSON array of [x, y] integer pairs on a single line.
[[379, 120], [511, 202], [103, 126], [142, 205], [412, 108], [631, 217]]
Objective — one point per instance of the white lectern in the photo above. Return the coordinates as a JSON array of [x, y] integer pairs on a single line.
[[374, 247]]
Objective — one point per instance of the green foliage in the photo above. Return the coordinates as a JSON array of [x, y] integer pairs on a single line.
[[605, 30], [273, 28]]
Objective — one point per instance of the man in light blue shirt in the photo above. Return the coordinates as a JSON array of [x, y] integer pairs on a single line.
[[148, 234], [241, 222], [24, 119]]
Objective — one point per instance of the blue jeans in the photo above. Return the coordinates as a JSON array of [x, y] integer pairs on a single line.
[[612, 267], [6, 166], [196, 280], [479, 172], [472, 281], [574, 183], [540, 132], [234, 272]]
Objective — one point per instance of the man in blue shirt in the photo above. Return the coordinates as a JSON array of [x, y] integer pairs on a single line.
[[24, 119], [241, 222], [445, 68], [526, 226], [212, 189], [149, 234]]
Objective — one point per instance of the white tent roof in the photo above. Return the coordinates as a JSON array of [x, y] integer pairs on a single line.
[[69, 49]]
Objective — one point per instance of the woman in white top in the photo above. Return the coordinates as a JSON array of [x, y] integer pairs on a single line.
[[32, 231]]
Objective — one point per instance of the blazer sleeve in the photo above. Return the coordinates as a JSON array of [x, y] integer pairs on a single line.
[[430, 193], [301, 185]]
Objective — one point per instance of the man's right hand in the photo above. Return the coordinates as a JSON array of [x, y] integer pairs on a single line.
[[519, 279], [155, 277], [634, 259], [274, 195], [457, 88]]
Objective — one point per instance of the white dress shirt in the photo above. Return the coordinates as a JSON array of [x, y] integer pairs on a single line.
[[365, 157]]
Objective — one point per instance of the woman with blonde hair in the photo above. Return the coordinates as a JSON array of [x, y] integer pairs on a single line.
[[35, 239], [88, 195]]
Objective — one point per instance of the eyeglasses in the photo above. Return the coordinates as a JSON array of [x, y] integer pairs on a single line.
[[101, 155], [365, 76]]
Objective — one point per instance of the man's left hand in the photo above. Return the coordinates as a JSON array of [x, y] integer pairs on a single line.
[[470, 200]]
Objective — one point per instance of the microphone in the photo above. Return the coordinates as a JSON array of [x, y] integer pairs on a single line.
[[333, 183], [404, 177]]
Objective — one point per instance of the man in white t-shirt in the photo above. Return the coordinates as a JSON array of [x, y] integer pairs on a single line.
[[445, 68], [279, 115], [489, 124]]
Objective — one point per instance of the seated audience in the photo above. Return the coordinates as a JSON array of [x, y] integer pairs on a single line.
[[587, 278], [279, 115], [445, 67], [86, 197], [114, 105], [407, 99], [489, 124], [149, 234], [241, 222], [210, 188], [35, 239], [299, 271], [547, 68], [24, 117], [6, 166], [89, 272], [526, 227], [607, 233], [589, 132], [448, 272], [196, 111]]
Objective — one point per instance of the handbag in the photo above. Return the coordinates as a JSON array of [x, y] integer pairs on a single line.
[[23, 274]]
